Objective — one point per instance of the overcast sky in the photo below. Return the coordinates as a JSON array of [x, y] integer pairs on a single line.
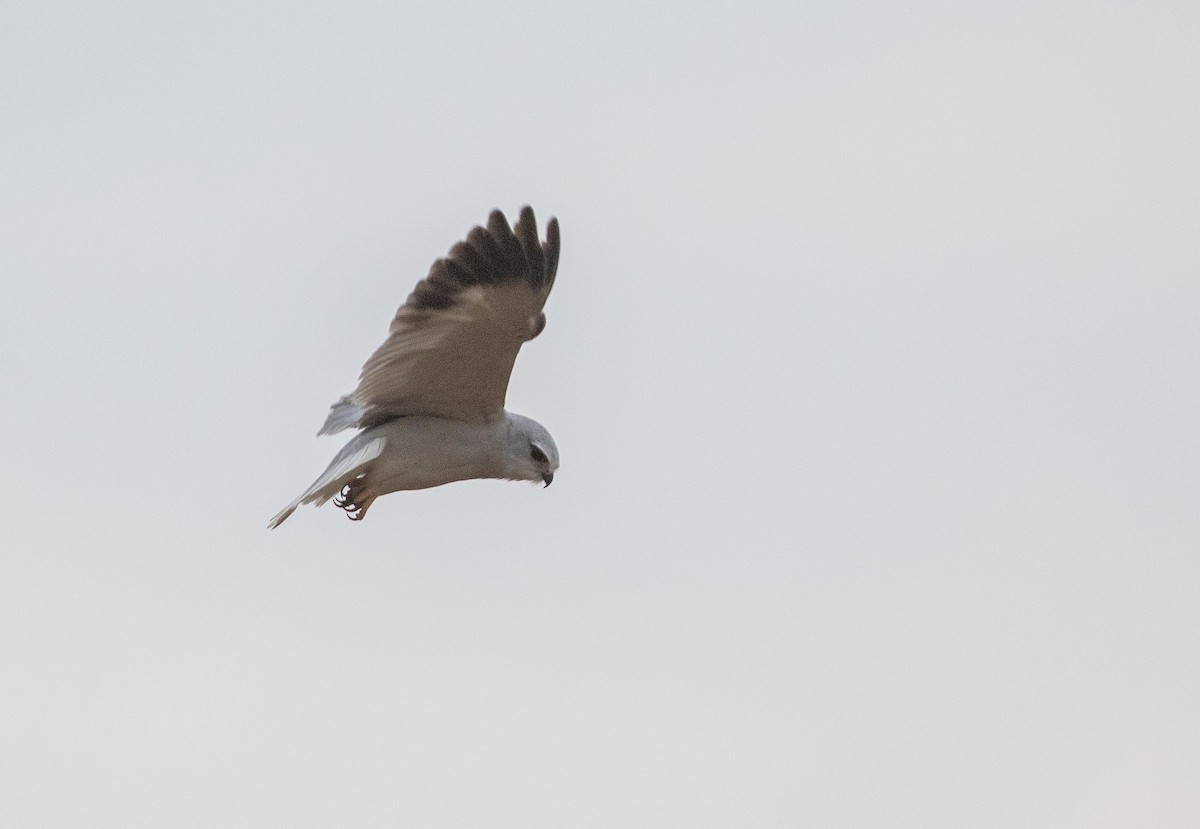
[[873, 360]]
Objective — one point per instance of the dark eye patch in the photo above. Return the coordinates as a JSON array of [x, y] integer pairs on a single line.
[[537, 454]]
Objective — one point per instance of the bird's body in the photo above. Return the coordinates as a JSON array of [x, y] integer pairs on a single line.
[[430, 402]]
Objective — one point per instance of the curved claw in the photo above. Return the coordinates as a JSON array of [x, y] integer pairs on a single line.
[[354, 499]]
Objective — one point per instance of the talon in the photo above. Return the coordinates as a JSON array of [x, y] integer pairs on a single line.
[[354, 499]]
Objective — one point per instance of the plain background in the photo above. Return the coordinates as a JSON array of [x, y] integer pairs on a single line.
[[873, 361]]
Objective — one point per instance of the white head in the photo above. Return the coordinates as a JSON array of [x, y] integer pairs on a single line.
[[530, 453]]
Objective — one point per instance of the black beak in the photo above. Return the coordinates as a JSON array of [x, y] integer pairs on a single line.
[[548, 477]]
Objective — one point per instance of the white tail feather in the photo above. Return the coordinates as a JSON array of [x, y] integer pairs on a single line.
[[344, 468]]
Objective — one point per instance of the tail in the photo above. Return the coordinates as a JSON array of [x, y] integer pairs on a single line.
[[345, 467], [342, 415]]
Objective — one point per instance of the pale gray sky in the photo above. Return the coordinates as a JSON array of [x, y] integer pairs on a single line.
[[874, 362]]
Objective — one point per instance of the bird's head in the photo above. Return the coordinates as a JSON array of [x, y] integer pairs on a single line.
[[532, 453]]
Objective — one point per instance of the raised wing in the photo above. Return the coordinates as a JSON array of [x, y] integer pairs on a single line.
[[452, 344]]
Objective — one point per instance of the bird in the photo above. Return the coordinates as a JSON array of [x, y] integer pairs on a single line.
[[429, 404]]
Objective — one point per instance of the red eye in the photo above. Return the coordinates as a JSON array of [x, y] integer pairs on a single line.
[[537, 454]]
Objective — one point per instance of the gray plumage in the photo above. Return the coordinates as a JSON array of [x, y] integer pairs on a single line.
[[430, 400]]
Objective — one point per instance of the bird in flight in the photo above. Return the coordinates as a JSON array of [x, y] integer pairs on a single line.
[[430, 400]]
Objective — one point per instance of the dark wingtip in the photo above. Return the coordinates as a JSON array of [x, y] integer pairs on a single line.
[[527, 234], [492, 254], [497, 223], [506, 241], [551, 248]]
